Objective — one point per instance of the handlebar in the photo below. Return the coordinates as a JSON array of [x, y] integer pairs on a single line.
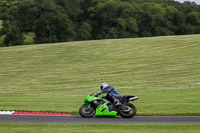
[[92, 94]]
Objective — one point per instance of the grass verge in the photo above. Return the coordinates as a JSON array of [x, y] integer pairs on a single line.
[[98, 128]]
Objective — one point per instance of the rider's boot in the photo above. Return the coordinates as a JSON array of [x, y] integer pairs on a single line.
[[120, 106]]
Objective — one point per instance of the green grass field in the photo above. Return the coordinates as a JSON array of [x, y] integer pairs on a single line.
[[98, 128], [163, 71]]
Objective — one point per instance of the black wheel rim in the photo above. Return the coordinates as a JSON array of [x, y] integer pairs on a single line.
[[129, 110], [87, 111]]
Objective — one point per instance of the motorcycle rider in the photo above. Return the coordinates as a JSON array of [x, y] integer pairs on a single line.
[[112, 94]]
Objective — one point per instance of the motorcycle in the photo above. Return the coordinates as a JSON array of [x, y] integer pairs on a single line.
[[103, 107]]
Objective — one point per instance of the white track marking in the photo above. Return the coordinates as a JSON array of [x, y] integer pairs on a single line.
[[6, 112]]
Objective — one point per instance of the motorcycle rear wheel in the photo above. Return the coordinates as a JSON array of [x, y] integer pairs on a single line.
[[129, 112], [86, 111]]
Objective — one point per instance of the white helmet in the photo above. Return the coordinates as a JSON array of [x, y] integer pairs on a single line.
[[104, 85]]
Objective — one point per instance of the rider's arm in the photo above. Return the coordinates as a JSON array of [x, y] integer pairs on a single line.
[[108, 89], [98, 94]]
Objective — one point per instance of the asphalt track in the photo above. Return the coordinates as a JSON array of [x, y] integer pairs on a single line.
[[78, 119]]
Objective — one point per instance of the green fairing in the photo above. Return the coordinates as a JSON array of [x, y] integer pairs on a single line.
[[89, 99], [101, 110]]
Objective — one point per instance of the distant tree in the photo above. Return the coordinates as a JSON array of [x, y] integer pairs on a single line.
[[85, 31], [11, 25], [171, 17], [65, 20], [14, 36], [112, 20], [4, 27], [179, 21], [193, 18], [152, 21], [26, 13], [188, 7], [71, 7], [4, 16], [52, 25]]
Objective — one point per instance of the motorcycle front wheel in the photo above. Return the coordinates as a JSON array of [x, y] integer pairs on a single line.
[[86, 111], [129, 112]]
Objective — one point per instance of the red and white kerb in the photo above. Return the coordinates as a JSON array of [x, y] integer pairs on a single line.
[[32, 113]]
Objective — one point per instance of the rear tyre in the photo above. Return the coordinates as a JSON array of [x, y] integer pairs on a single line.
[[129, 112], [86, 111]]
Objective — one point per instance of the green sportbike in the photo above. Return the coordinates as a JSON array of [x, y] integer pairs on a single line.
[[104, 107]]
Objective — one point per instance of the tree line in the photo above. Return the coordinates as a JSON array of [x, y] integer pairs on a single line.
[[68, 20]]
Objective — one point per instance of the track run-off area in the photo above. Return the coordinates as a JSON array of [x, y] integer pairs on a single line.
[[78, 119]]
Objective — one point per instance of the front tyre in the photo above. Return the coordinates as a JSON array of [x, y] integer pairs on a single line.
[[129, 112], [86, 111]]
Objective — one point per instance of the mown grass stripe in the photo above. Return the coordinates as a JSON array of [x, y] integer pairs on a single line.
[[57, 77]]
